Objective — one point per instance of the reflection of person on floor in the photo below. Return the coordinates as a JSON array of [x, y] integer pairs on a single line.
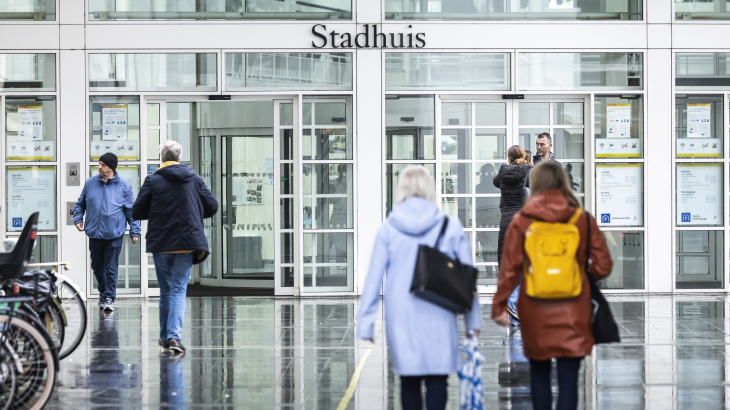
[[172, 383], [106, 373]]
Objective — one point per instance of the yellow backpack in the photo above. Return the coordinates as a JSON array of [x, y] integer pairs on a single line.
[[552, 247]]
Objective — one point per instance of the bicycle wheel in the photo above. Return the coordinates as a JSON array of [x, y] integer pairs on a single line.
[[54, 324], [7, 378], [34, 385], [73, 309]]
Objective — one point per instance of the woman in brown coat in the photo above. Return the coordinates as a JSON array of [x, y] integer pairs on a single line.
[[551, 329]]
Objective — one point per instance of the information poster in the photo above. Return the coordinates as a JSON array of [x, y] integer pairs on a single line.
[[698, 121], [30, 123], [269, 171], [31, 189], [128, 150], [620, 199], [699, 194], [114, 118], [31, 150], [249, 191], [619, 120]]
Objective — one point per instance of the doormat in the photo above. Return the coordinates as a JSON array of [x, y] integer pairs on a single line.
[[197, 290]]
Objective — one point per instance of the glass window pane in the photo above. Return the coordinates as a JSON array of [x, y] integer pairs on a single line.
[[114, 127], [286, 146], [329, 257], [28, 72], [487, 212], [129, 173], [153, 114], [287, 179], [332, 129], [568, 143], [391, 181], [153, 72], [178, 126], [699, 260], [491, 143], [458, 207], [289, 71], [574, 171], [287, 247], [567, 113], [455, 113], [38, 10], [534, 113], [219, 10], [580, 71], [484, 178], [287, 213], [153, 144], [486, 246], [702, 71], [332, 196], [447, 71], [528, 137], [151, 273], [31, 189], [699, 194], [699, 129], [490, 114], [455, 178], [501, 10], [30, 128], [619, 126], [487, 275], [619, 194], [627, 252], [286, 114], [409, 127], [287, 277], [704, 10], [456, 143]]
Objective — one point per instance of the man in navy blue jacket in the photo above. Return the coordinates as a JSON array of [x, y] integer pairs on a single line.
[[175, 200], [107, 202]]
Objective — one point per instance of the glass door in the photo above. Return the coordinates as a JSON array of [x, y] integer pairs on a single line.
[[473, 139]]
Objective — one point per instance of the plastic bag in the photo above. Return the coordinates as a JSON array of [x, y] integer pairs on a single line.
[[471, 388]]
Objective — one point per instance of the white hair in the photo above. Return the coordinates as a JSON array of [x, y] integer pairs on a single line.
[[415, 180], [171, 151]]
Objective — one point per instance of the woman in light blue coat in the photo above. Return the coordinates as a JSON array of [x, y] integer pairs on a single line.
[[423, 339]]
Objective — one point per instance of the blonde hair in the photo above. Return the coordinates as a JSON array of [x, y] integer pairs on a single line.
[[549, 175], [516, 155], [415, 180]]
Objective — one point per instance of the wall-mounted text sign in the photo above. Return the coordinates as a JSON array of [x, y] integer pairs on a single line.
[[370, 38]]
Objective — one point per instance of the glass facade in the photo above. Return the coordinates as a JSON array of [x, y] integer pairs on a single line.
[[28, 72], [580, 71], [153, 72], [447, 71]]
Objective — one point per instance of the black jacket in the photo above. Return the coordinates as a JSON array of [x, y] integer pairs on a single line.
[[175, 200], [510, 181]]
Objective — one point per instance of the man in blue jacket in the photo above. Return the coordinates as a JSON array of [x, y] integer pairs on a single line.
[[107, 201], [175, 200]]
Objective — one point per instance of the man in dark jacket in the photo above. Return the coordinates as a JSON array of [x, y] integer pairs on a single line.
[[175, 200], [544, 145], [106, 200]]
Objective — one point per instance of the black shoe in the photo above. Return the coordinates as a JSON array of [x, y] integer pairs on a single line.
[[176, 346], [163, 344]]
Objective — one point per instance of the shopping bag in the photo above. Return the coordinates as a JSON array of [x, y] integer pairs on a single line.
[[471, 395]]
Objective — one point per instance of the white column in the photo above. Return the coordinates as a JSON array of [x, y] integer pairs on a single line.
[[369, 156], [72, 148], [658, 170]]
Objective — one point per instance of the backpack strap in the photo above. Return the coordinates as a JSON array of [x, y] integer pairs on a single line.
[[441, 234], [573, 219]]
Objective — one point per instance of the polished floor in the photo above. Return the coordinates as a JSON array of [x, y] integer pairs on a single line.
[[266, 353]]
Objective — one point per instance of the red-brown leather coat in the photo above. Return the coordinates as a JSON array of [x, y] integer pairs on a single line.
[[551, 328]]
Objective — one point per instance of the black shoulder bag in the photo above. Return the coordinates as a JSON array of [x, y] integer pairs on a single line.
[[443, 281], [605, 329], [525, 190]]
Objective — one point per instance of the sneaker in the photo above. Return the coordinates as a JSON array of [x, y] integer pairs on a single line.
[[176, 346], [164, 344], [109, 305], [102, 304]]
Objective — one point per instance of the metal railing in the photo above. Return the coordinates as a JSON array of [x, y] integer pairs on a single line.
[[217, 15], [562, 15]]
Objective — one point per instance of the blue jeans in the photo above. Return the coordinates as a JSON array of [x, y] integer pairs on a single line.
[[173, 272], [542, 394], [105, 264], [512, 303]]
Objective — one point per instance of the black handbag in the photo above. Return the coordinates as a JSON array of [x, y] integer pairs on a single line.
[[605, 329], [443, 281]]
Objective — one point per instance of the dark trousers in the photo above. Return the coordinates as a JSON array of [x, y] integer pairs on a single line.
[[410, 392], [105, 264], [542, 395]]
